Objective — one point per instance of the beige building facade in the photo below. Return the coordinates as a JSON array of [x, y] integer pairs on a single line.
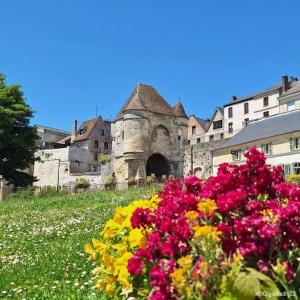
[[278, 137]]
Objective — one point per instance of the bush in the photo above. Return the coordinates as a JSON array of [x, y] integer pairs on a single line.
[[232, 237], [110, 183], [23, 193], [149, 180], [82, 183], [132, 182], [104, 159], [293, 178]]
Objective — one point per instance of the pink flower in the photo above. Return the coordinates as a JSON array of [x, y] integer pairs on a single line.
[[135, 266]]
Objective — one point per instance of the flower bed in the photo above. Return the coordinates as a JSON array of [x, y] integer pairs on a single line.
[[234, 236]]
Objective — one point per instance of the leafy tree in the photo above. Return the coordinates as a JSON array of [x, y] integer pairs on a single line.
[[18, 140]]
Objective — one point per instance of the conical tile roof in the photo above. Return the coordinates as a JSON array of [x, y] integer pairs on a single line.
[[145, 97]]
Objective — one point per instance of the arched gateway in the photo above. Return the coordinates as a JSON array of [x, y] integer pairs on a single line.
[[158, 165]]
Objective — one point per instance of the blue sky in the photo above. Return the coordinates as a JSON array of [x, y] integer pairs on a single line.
[[71, 56]]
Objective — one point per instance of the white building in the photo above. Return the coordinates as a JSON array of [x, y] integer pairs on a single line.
[[277, 136], [271, 101]]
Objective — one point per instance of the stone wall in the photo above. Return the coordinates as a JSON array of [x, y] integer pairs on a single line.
[[68, 160], [140, 134], [198, 158]]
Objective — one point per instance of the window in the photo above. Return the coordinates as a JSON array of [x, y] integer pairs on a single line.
[[246, 121], [291, 106], [246, 108], [230, 127], [82, 131], [46, 145], [266, 114], [189, 142], [102, 132], [267, 148], [295, 144], [237, 154], [287, 170], [179, 138], [95, 156], [296, 168], [105, 145], [230, 112], [198, 140], [266, 101], [122, 135], [222, 136], [96, 144], [193, 130], [218, 124], [211, 138]]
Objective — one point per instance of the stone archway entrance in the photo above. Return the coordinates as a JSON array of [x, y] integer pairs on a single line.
[[157, 165]]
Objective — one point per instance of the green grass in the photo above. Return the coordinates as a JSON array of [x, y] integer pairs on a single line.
[[42, 240]]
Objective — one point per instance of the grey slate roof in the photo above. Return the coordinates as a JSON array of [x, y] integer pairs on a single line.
[[293, 88], [265, 128], [270, 89], [204, 123]]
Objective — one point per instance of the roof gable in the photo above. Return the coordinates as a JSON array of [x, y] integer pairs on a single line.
[[218, 109]]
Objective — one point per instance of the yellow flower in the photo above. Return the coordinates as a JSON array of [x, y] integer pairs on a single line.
[[155, 200], [108, 261], [119, 216], [192, 216], [90, 250], [110, 230], [208, 206], [206, 230], [136, 238], [185, 261], [178, 277], [121, 248]]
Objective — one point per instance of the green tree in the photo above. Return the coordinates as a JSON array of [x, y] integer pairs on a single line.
[[18, 140]]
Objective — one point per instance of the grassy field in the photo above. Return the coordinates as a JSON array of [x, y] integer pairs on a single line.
[[42, 240]]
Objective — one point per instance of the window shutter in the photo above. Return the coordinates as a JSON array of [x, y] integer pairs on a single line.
[[270, 149], [291, 144], [287, 170], [263, 148]]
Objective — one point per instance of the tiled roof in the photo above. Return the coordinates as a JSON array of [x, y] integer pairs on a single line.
[[145, 97], [86, 128], [265, 128]]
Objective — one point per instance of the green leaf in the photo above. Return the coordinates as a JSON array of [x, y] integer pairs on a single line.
[[246, 286]]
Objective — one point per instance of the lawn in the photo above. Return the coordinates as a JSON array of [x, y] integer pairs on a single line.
[[42, 240]]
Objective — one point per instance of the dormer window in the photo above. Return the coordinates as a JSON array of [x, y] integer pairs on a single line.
[[82, 131], [218, 124]]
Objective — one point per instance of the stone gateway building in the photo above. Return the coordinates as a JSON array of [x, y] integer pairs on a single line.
[[148, 136]]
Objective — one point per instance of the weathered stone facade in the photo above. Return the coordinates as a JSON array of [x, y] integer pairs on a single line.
[[148, 136], [198, 159]]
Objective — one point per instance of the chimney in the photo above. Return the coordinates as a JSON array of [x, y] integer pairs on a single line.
[[74, 131], [285, 83], [234, 98]]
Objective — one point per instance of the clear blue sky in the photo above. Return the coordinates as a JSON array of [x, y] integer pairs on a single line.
[[73, 55]]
